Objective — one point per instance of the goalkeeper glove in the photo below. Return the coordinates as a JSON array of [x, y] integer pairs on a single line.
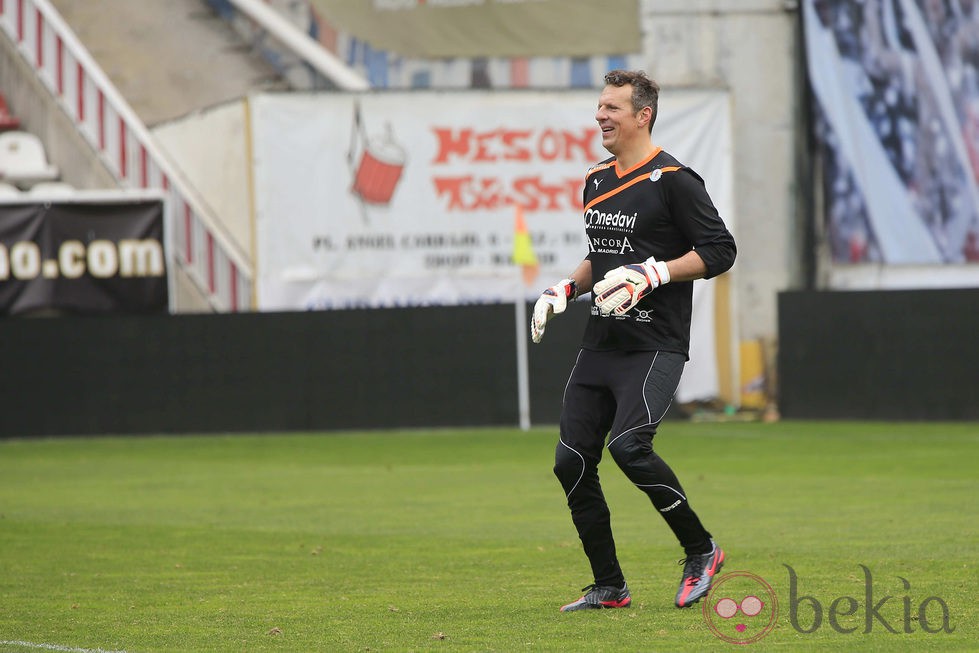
[[552, 301], [624, 286]]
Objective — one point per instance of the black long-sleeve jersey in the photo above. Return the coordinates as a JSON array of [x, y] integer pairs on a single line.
[[657, 208]]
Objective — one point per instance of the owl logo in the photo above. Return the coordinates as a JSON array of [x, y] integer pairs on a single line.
[[741, 608]]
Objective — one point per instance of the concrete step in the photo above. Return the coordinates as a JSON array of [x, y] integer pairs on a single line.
[[168, 58]]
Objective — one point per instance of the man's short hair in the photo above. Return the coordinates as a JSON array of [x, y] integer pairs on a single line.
[[645, 92]]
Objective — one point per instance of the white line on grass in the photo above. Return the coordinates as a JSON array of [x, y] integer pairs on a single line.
[[55, 647]]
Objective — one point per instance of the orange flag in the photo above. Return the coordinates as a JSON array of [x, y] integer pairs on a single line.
[[523, 249]]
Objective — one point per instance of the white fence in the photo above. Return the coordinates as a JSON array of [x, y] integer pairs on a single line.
[[199, 245]]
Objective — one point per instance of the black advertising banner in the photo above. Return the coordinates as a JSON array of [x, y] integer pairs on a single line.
[[82, 257]]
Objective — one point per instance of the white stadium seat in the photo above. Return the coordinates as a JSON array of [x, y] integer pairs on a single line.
[[22, 159]]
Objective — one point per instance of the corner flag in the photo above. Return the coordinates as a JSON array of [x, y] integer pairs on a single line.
[[523, 248]]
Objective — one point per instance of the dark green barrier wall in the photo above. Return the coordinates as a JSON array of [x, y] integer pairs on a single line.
[[860, 355], [423, 367], [902, 355]]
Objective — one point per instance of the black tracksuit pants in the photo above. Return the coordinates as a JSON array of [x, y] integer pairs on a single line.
[[623, 395]]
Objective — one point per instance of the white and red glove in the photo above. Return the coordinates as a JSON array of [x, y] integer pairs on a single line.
[[552, 302], [624, 286]]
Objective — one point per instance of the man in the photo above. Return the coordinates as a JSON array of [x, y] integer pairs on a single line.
[[652, 230]]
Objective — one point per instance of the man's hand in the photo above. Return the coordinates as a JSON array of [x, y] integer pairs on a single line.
[[624, 286], [552, 301]]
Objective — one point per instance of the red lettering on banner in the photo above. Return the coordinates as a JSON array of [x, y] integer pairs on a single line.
[[485, 151], [516, 149], [451, 187], [515, 145], [469, 193], [550, 145], [450, 143], [583, 144]]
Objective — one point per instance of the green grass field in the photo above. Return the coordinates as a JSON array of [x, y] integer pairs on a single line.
[[461, 541]]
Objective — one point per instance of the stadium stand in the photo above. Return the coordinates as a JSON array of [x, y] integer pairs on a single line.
[[193, 61], [93, 109]]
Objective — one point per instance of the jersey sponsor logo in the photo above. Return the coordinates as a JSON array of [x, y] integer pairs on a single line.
[[610, 245], [597, 182], [637, 315], [617, 220]]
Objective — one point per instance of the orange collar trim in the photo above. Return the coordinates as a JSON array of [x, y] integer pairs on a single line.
[[652, 155]]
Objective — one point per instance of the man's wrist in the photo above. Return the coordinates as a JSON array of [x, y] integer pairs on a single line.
[[660, 269]]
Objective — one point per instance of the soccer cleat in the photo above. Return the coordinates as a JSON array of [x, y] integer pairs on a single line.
[[698, 574], [601, 596]]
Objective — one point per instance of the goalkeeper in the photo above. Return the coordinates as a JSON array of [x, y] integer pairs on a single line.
[[651, 230]]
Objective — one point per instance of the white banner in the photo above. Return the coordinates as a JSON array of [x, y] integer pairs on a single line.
[[406, 199], [409, 199]]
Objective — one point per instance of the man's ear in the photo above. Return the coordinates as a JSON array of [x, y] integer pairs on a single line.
[[645, 115]]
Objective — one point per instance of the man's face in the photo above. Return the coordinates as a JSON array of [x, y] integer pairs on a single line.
[[616, 118]]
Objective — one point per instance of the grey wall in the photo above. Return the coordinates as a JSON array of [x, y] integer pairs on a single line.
[[750, 47]]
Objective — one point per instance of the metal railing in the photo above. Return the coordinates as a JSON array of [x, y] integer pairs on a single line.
[[202, 247], [325, 63]]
